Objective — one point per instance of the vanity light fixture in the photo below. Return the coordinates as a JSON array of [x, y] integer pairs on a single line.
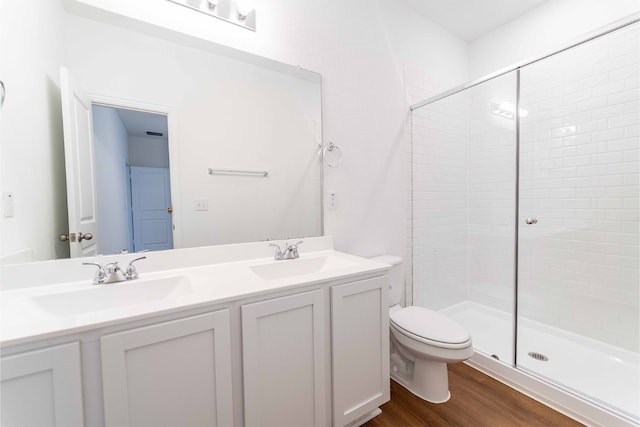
[[226, 10]]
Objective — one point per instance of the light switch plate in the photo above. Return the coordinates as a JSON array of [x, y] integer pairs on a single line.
[[332, 200], [201, 204], [8, 204]]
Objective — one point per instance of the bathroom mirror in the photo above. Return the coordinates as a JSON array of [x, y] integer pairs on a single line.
[[235, 115]]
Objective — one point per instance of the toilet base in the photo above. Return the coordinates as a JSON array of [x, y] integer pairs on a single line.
[[427, 379], [431, 381]]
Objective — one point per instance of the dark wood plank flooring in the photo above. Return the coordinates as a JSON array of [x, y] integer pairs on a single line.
[[477, 400]]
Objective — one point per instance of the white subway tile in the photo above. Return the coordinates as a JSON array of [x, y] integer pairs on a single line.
[[629, 95], [593, 81], [623, 215], [577, 139], [623, 120], [610, 65], [592, 104], [589, 93], [631, 144], [632, 131], [576, 119], [608, 135]]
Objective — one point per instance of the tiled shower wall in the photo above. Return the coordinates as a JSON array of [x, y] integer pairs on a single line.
[[463, 198], [419, 86], [439, 163], [491, 194], [579, 177]]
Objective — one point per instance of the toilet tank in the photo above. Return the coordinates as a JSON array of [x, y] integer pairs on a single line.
[[396, 277]]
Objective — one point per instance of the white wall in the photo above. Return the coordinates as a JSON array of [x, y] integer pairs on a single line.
[[110, 145], [361, 49], [31, 143], [550, 26], [148, 151]]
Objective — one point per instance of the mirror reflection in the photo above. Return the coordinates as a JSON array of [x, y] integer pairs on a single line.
[[148, 191]]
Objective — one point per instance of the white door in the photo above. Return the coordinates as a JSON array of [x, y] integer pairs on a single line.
[[80, 168], [151, 209]]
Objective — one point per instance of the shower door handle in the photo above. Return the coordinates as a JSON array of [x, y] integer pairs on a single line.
[[531, 221]]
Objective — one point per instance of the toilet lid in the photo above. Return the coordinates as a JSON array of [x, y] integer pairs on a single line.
[[430, 325]]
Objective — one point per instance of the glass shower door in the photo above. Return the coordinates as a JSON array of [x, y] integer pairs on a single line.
[[464, 181], [578, 280]]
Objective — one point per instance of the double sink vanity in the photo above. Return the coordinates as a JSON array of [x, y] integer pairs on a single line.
[[216, 336]]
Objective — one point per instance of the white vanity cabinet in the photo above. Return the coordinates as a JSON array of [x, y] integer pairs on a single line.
[[283, 344], [42, 388], [175, 373], [359, 348], [284, 361]]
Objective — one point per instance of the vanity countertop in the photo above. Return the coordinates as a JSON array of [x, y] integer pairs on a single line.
[[43, 312]]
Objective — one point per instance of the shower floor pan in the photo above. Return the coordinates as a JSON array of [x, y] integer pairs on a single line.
[[600, 371]]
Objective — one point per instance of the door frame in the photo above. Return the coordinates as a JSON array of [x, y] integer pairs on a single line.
[[172, 126]]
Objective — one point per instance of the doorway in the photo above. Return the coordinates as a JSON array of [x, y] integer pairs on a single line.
[[132, 179]]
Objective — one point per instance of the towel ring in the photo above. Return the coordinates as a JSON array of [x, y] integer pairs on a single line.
[[329, 148]]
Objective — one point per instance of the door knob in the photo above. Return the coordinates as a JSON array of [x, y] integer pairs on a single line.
[[170, 210], [63, 237], [530, 221], [84, 236]]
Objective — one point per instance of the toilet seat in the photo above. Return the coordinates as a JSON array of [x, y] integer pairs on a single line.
[[429, 327]]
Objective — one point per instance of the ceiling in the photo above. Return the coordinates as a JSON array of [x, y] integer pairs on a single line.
[[137, 123], [470, 19]]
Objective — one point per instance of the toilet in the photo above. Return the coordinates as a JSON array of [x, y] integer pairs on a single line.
[[423, 341]]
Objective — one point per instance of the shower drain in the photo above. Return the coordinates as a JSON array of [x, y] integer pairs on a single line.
[[538, 356]]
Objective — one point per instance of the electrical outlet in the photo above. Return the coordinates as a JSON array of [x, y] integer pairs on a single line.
[[332, 200], [201, 204]]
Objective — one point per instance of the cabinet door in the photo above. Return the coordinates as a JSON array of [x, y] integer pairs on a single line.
[[42, 388], [176, 373], [283, 353], [360, 348]]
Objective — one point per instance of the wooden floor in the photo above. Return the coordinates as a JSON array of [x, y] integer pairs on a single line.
[[476, 400]]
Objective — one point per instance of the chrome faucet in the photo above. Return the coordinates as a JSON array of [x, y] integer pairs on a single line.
[[112, 273], [290, 251]]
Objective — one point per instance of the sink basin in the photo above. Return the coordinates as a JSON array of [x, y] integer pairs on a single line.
[[118, 295], [299, 267]]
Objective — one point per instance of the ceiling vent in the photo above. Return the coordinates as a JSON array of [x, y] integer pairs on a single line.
[[154, 133]]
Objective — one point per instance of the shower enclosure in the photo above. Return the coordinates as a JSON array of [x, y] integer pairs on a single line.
[[525, 216]]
